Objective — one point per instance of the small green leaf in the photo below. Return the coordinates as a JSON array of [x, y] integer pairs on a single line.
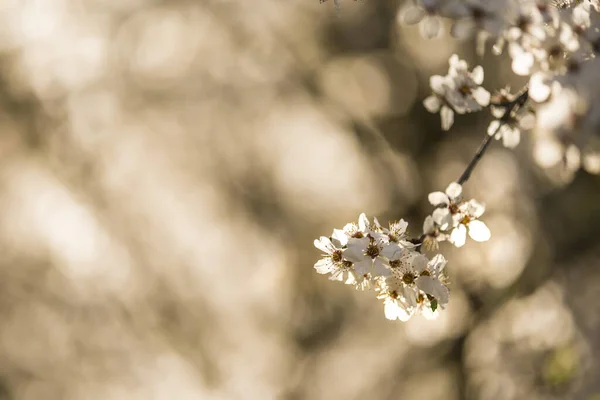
[[433, 304]]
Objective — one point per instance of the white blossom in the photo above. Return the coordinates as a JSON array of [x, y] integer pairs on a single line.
[[453, 218], [457, 92], [333, 262]]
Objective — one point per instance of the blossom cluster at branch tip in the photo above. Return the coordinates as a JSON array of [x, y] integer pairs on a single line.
[[555, 44], [457, 92], [369, 256], [453, 219]]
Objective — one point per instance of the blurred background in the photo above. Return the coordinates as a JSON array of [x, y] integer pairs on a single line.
[[166, 165]]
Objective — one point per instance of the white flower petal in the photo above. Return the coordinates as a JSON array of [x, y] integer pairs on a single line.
[[363, 266], [478, 231], [511, 137], [434, 288], [591, 163], [454, 190], [392, 251], [442, 217], [477, 74], [419, 263], [493, 127], [393, 311], [437, 263], [432, 104], [410, 295], [430, 27], [325, 245], [458, 237], [356, 249], [481, 96], [413, 15], [428, 225], [522, 63], [463, 28], [447, 116], [363, 223], [399, 227], [475, 209], [324, 266], [428, 314], [340, 236], [380, 269], [438, 198], [539, 91], [437, 84]]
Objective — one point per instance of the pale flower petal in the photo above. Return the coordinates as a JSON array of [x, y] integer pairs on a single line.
[[454, 190], [437, 83], [481, 96], [394, 311], [438, 263], [430, 27], [428, 225], [419, 263], [478, 231], [428, 314], [477, 74], [591, 163], [340, 236], [458, 237], [522, 64], [438, 198], [363, 223], [432, 104], [447, 116], [539, 91], [434, 288], [325, 245], [511, 137], [442, 217], [413, 15], [324, 266], [493, 127]]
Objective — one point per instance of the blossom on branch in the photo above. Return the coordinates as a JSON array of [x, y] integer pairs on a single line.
[[457, 92], [368, 255], [453, 218]]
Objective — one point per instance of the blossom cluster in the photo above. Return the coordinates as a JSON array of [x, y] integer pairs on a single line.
[[457, 92], [453, 218], [553, 43], [370, 256]]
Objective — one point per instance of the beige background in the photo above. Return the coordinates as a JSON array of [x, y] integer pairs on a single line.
[[166, 165]]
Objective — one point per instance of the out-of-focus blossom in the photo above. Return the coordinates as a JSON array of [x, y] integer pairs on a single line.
[[457, 92]]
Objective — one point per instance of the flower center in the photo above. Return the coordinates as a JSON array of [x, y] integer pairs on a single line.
[[336, 256], [465, 90], [372, 250], [453, 208], [426, 273], [395, 263], [408, 278]]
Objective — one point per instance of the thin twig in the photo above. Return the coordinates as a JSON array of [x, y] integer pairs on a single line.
[[510, 107]]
